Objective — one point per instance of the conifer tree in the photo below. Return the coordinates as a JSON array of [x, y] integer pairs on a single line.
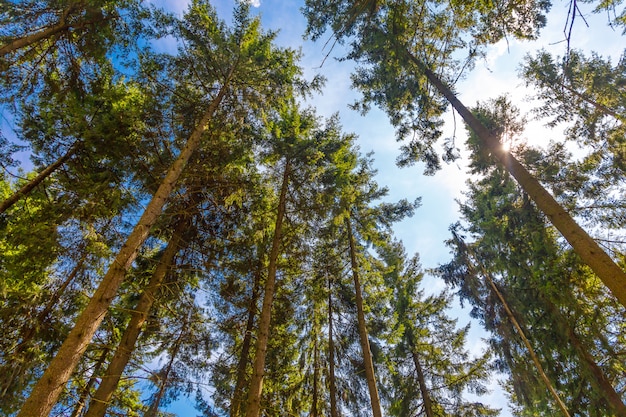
[[401, 67]]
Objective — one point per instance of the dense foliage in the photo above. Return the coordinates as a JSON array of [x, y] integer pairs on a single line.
[[189, 228]]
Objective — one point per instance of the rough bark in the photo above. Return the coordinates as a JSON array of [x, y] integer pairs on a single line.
[[139, 315], [27, 188], [588, 249], [235, 405], [331, 356], [46, 392], [365, 345], [256, 383]]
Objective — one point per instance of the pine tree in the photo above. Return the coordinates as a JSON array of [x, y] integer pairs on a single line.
[[399, 63]]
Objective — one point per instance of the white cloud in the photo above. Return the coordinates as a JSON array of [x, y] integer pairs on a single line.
[[253, 3]]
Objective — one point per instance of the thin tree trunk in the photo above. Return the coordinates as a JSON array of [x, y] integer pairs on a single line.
[[365, 345], [587, 248], [8, 377], [27, 188], [121, 357], [316, 367], [331, 355], [600, 107], [520, 331], [428, 403], [46, 392], [50, 31], [256, 383], [82, 399], [235, 407], [599, 378], [154, 407]]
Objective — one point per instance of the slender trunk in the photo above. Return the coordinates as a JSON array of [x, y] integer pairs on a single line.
[[428, 403], [256, 384], [82, 399], [316, 366], [46, 392], [235, 407], [20, 355], [61, 26], [587, 248], [26, 189], [331, 355], [154, 407], [598, 377], [365, 345], [520, 331], [531, 351], [139, 315], [600, 107]]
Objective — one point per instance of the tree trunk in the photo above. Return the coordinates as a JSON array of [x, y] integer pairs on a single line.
[[316, 367], [48, 32], [26, 189], [154, 407], [139, 315], [46, 392], [19, 358], [599, 379], [428, 403], [365, 345], [518, 327], [82, 399], [331, 355], [235, 406], [587, 248], [256, 384]]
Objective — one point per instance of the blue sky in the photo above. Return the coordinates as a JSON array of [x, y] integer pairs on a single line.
[[426, 231]]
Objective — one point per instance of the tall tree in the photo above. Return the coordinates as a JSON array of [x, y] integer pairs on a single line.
[[276, 68], [526, 263], [408, 46], [431, 369]]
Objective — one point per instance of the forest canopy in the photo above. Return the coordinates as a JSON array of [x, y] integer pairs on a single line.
[[182, 216]]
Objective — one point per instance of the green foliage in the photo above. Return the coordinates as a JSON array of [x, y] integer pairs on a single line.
[[550, 291], [445, 38]]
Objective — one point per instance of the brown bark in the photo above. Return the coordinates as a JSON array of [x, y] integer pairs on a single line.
[[331, 356], [256, 383], [365, 345], [588, 249], [526, 342], [45, 393], [235, 406], [139, 315], [27, 188]]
